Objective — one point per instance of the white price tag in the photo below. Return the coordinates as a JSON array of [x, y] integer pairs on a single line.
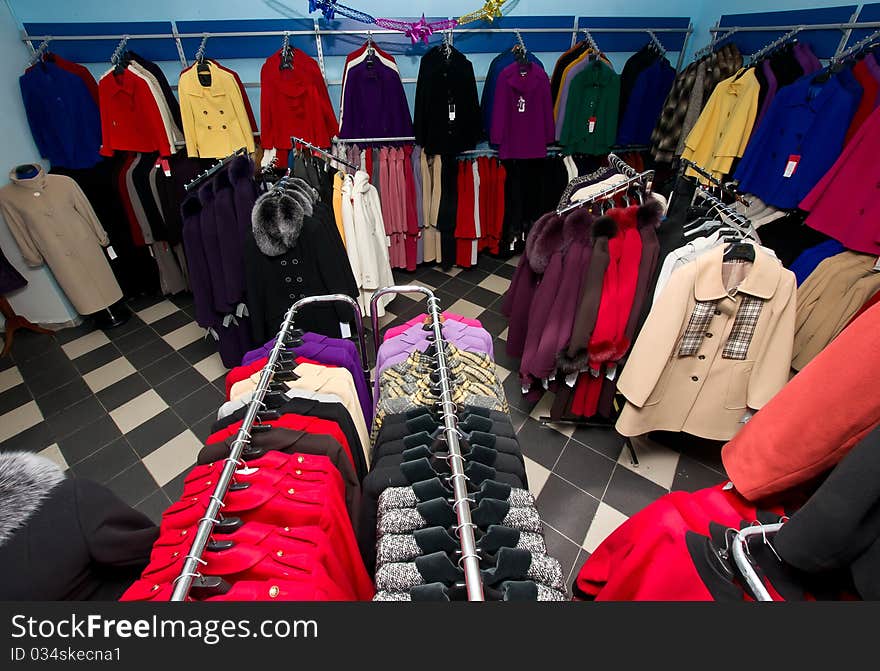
[[112, 253], [792, 165], [345, 329]]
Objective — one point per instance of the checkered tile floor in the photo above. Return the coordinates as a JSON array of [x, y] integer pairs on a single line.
[[129, 408]]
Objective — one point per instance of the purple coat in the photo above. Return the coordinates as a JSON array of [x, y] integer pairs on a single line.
[[534, 261], [522, 112], [197, 262], [376, 102], [330, 351]]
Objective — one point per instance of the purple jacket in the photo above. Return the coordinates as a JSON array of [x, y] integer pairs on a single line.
[[376, 102], [522, 112], [197, 262], [396, 350], [807, 59], [330, 351]]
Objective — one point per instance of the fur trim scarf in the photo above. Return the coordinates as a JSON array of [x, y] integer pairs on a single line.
[[277, 217], [26, 479]]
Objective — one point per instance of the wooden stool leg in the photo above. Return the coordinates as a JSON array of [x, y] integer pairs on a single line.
[[15, 322]]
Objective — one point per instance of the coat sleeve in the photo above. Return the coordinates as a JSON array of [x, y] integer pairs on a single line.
[[656, 343], [34, 112], [573, 105], [267, 128], [187, 117], [115, 534], [241, 114], [498, 126], [106, 121], [82, 205], [26, 244], [773, 365], [153, 123]]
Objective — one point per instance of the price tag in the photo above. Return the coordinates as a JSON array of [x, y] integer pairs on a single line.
[[345, 329], [521, 105], [112, 253], [591, 124], [876, 267], [452, 111], [792, 165], [611, 372], [152, 253]]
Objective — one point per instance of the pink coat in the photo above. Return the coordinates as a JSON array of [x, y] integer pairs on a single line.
[[845, 204]]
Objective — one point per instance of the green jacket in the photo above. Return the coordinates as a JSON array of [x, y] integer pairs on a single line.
[[594, 92]]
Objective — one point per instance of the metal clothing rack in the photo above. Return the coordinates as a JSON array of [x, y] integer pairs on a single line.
[[778, 42], [740, 219], [214, 169], [40, 51], [715, 181], [642, 178], [299, 141], [461, 504], [741, 556], [856, 48], [190, 570]]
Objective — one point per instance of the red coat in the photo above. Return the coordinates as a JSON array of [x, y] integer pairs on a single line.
[[130, 118], [658, 553], [294, 102], [814, 421]]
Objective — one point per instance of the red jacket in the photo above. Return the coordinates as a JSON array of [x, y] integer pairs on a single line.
[[246, 590], [815, 420], [294, 102], [130, 118]]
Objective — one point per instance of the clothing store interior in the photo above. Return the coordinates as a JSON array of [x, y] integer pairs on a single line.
[[578, 305]]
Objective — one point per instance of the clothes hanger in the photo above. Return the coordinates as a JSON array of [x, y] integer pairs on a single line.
[[286, 53]]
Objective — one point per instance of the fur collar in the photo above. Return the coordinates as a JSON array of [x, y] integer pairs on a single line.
[[206, 194], [546, 238], [240, 168], [25, 480], [651, 212], [302, 197], [276, 222], [577, 228]]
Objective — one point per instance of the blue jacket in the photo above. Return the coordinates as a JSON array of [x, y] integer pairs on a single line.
[[807, 119], [63, 116], [809, 259], [645, 103]]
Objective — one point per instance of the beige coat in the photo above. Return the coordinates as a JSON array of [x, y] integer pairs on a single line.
[[53, 223], [705, 394], [828, 299], [430, 169]]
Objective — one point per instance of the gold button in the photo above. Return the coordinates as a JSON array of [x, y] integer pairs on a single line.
[[300, 459], [287, 528], [274, 591], [291, 491], [208, 482], [184, 532], [175, 554], [280, 553], [299, 472], [154, 588]]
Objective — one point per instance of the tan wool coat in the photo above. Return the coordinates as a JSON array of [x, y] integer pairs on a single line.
[[705, 394], [53, 223]]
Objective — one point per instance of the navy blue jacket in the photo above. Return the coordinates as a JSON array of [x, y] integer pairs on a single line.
[[645, 103], [63, 116], [809, 119]]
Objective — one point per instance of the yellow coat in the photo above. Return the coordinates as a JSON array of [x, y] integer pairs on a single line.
[[705, 394], [215, 122], [725, 124]]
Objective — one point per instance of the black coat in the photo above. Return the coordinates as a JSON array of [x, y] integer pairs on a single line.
[[316, 264], [839, 526], [66, 539], [443, 83]]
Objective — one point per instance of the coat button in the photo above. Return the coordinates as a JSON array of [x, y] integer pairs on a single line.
[[274, 591], [223, 126], [280, 553], [291, 491], [287, 279], [209, 128], [298, 472], [695, 378], [204, 111], [155, 588], [701, 357], [300, 459], [292, 296], [717, 312], [295, 262], [299, 279], [708, 335], [284, 263], [221, 111]]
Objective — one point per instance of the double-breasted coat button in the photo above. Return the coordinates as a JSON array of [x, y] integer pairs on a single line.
[[223, 126], [299, 279], [283, 263], [204, 111], [708, 335], [717, 312], [209, 128], [274, 591], [221, 111], [701, 357], [287, 279], [695, 378], [292, 296], [295, 262]]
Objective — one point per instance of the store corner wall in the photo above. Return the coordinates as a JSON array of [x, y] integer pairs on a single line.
[[41, 301]]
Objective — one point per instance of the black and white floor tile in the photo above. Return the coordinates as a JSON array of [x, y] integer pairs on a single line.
[[130, 407]]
